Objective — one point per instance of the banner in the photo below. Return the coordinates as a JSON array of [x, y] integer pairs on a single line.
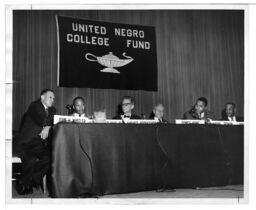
[[96, 54]]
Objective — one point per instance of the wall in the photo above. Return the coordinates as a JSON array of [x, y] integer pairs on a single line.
[[199, 53]]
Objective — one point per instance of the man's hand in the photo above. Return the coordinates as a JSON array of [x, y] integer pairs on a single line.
[[208, 120], [45, 132]]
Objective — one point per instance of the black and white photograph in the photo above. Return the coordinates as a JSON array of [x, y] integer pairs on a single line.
[[126, 104]]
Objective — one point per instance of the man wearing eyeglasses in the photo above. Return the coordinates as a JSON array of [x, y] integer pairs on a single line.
[[127, 107]]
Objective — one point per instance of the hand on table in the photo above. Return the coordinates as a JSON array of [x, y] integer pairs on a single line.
[[45, 132]]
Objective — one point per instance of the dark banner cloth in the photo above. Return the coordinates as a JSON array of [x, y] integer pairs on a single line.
[[117, 158], [98, 54]]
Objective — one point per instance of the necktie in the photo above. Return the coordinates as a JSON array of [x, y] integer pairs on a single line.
[[127, 116], [47, 112]]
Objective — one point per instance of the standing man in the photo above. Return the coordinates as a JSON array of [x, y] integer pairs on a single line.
[[32, 142], [127, 107], [158, 114], [230, 113], [199, 111]]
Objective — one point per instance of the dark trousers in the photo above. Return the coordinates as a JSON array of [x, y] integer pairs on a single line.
[[35, 162]]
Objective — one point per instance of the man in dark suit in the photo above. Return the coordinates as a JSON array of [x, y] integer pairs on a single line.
[[79, 107], [127, 107], [158, 114], [229, 113], [199, 111], [32, 142]]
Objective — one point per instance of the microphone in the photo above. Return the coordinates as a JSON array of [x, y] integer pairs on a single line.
[[143, 116], [69, 108]]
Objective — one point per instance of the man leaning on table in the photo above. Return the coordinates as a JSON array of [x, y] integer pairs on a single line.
[[33, 142], [229, 113], [127, 108], [199, 111]]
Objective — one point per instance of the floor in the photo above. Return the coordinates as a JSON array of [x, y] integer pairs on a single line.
[[231, 191]]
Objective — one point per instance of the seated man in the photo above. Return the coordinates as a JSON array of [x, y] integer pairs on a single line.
[[100, 115], [158, 114], [199, 111], [229, 113], [127, 107], [79, 108], [32, 142]]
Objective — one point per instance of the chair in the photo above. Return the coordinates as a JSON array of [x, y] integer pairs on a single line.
[[18, 160]]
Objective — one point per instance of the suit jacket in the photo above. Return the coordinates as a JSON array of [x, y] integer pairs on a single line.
[[192, 115], [238, 118], [133, 117], [35, 119]]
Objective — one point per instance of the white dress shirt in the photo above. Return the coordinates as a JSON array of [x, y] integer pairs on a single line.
[[79, 115], [125, 118], [201, 115], [159, 120], [45, 107], [232, 118]]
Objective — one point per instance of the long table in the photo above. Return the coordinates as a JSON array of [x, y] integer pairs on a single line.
[[100, 159]]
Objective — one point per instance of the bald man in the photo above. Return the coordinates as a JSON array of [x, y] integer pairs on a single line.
[[158, 114]]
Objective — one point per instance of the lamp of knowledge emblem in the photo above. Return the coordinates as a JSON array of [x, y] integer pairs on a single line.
[[110, 61]]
